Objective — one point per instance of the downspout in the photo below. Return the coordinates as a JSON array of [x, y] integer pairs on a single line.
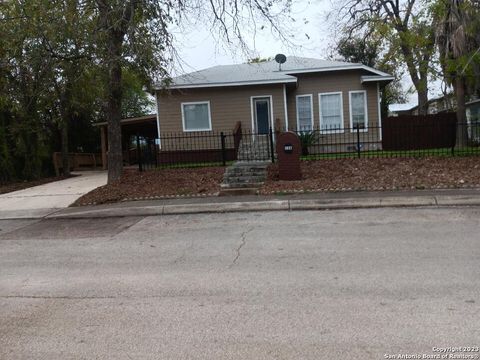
[[285, 105], [379, 102], [158, 119]]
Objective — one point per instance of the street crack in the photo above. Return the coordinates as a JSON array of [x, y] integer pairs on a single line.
[[243, 237]]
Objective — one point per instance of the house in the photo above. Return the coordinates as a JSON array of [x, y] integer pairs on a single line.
[[473, 110], [438, 104], [303, 94], [300, 94], [400, 109]]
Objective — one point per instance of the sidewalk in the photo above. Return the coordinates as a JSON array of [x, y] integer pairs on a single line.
[[41, 200], [320, 201]]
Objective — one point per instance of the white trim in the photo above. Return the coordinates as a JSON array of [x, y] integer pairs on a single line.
[[158, 121], [472, 102], [235, 83], [381, 76], [379, 102], [253, 114], [376, 78], [342, 129], [285, 106], [196, 103], [364, 92], [311, 109], [336, 68]]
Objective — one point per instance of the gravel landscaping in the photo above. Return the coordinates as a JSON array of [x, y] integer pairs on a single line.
[[157, 183], [379, 174]]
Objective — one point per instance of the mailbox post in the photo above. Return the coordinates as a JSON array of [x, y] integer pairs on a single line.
[[288, 152]]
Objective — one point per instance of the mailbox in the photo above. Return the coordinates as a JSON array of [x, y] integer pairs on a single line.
[[288, 151]]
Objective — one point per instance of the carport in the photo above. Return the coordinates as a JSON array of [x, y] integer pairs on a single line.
[[145, 127]]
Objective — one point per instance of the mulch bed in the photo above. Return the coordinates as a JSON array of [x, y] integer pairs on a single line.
[[6, 188], [379, 174], [136, 185], [319, 175]]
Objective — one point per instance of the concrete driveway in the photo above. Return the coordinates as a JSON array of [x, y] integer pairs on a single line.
[[310, 285], [47, 198]]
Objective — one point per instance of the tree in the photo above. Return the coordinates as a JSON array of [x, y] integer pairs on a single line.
[[26, 82], [406, 28], [458, 39], [369, 52], [57, 56], [64, 26], [45, 67], [258, 60], [137, 32], [136, 101]]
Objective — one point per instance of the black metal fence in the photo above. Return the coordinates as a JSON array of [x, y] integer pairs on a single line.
[[396, 138], [199, 149]]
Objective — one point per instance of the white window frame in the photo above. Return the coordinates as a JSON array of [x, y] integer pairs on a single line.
[[364, 92], [338, 131], [311, 110], [196, 103]]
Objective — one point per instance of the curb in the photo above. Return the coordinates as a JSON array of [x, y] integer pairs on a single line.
[[273, 205]]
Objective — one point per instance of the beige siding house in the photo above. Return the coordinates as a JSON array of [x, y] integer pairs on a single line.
[[301, 94]]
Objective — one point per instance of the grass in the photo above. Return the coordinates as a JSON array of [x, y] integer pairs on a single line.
[[389, 154], [193, 165]]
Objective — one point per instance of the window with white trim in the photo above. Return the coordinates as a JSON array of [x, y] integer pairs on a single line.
[[196, 116], [331, 112], [304, 113], [358, 110]]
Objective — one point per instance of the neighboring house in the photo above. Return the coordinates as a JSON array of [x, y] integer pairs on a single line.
[[400, 109], [473, 110], [436, 105], [473, 119], [303, 94]]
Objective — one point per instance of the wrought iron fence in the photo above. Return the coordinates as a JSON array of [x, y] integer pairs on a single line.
[[396, 138], [197, 149]]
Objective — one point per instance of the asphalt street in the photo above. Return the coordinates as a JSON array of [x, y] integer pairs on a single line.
[[344, 284]]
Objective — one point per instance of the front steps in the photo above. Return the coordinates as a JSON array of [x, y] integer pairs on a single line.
[[244, 178], [255, 148]]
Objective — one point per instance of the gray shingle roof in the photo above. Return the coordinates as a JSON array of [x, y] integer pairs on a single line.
[[265, 72]]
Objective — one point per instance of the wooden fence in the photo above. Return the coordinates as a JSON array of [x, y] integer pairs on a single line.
[[78, 161], [417, 132]]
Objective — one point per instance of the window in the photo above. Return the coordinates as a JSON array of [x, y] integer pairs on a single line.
[[331, 112], [304, 113], [196, 116], [358, 110]]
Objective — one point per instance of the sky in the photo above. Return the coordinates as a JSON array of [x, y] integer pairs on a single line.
[[198, 48]]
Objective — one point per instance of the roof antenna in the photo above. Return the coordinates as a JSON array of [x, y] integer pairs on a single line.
[[280, 59]]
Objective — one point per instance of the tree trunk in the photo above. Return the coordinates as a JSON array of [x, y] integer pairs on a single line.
[[461, 134], [65, 157], [114, 105], [422, 100]]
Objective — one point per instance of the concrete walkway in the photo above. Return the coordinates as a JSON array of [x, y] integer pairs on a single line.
[[296, 202], [39, 201]]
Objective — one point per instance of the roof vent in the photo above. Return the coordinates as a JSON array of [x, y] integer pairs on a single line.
[[280, 59]]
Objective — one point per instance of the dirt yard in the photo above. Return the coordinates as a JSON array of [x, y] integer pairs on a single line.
[[379, 174], [157, 183]]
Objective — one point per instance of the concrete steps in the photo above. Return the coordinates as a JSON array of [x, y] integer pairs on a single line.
[[254, 149], [244, 178]]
